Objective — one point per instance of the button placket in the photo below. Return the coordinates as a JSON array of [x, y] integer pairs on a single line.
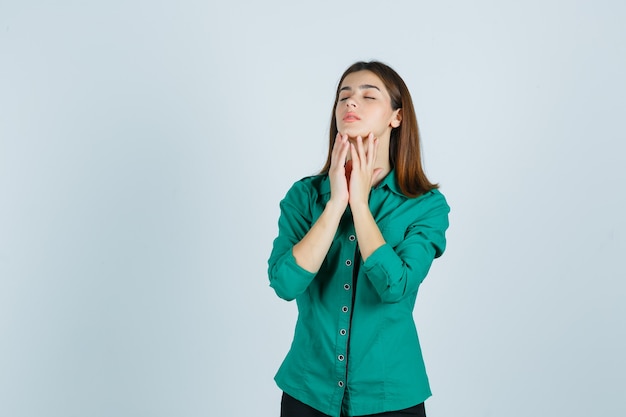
[[347, 295]]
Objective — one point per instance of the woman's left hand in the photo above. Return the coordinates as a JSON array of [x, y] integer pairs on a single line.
[[363, 175]]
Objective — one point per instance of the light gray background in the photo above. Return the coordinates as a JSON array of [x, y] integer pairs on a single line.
[[145, 146]]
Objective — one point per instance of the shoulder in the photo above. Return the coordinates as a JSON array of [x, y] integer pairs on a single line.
[[313, 181], [308, 188], [436, 196], [314, 184], [433, 198], [429, 207]]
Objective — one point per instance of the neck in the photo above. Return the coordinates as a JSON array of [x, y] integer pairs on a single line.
[[382, 160]]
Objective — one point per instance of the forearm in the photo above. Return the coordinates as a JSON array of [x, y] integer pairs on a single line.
[[367, 232], [312, 249]]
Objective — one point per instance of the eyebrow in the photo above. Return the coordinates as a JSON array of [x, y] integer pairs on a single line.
[[361, 87]]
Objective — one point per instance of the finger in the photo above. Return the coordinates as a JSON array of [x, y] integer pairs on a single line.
[[343, 154], [338, 149], [335, 145], [368, 149], [361, 149], [373, 150], [356, 160]]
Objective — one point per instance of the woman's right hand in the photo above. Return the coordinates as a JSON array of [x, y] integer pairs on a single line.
[[311, 251], [339, 193]]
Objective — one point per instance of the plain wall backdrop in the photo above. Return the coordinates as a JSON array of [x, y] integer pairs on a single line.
[[145, 146]]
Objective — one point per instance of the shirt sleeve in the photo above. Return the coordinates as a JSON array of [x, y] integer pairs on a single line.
[[287, 278], [396, 272]]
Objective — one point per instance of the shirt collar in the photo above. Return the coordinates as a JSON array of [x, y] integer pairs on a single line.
[[390, 182]]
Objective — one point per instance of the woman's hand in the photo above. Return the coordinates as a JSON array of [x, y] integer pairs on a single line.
[[311, 251], [337, 173], [364, 175]]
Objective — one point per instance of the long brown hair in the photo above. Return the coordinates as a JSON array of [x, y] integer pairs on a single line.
[[404, 142]]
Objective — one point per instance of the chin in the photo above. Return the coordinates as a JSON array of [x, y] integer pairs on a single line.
[[353, 133]]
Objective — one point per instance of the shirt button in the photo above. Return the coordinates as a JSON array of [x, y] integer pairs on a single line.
[[352, 238], [348, 262], [341, 357], [346, 287], [340, 383], [343, 332], [344, 309]]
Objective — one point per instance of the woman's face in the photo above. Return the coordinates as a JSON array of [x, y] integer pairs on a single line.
[[364, 107]]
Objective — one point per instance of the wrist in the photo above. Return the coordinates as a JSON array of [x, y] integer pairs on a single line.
[[359, 207], [336, 207]]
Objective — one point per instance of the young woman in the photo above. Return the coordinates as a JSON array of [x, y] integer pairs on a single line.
[[354, 244]]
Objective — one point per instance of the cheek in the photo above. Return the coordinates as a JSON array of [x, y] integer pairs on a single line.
[[388, 116]]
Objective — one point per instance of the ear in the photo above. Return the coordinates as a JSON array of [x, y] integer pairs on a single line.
[[396, 119]]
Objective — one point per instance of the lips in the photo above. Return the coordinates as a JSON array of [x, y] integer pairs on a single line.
[[351, 117]]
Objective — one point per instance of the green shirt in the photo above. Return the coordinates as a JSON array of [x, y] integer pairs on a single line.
[[355, 344]]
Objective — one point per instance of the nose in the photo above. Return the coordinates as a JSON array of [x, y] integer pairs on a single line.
[[350, 103]]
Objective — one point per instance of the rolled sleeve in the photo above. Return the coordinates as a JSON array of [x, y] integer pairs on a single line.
[[286, 277], [381, 266], [397, 271]]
